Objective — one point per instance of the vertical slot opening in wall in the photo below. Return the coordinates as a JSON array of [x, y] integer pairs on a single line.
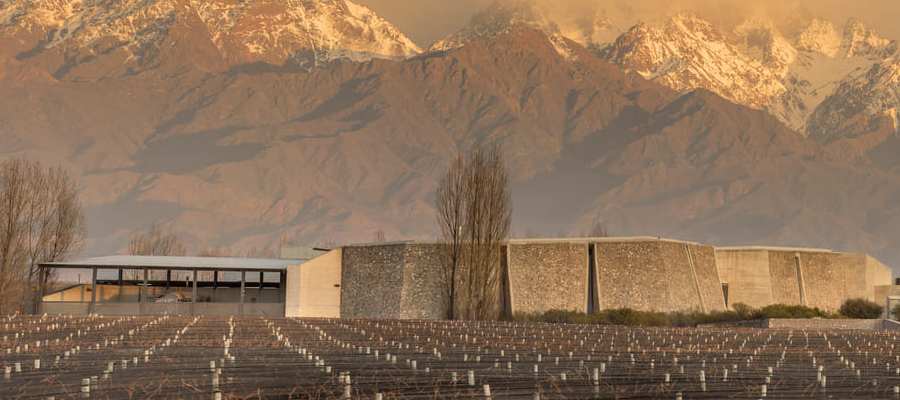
[[505, 306], [800, 283], [725, 293], [593, 300]]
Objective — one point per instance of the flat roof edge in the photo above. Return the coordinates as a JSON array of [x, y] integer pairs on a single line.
[[391, 243], [611, 239], [776, 248], [178, 263], [540, 240]]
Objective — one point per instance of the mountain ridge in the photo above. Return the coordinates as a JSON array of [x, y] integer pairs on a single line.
[[215, 34], [247, 155], [754, 64]]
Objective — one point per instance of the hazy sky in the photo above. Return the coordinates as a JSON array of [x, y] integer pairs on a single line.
[[428, 20]]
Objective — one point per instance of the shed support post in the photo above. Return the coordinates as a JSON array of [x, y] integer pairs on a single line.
[[93, 290], [122, 285], [243, 285], [282, 292], [42, 272], [194, 294], [280, 287], [142, 291], [145, 290]]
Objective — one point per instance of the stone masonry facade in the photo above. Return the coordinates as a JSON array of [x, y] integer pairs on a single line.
[[547, 276], [405, 280], [401, 280]]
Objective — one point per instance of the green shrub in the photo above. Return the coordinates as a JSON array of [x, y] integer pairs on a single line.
[[743, 311], [739, 312], [627, 316], [790, 311], [630, 317], [564, 317], [862, 309]]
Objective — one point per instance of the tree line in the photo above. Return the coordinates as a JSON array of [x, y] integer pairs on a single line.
[[41, 220]]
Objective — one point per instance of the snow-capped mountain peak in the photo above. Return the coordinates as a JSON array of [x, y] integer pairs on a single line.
[[687, 52], [855, 39], [498, 18], [821, 37], [503, 16], [859, 40], [757, 66], [762, 40], [591, 30], [266, 30], [874, 93]]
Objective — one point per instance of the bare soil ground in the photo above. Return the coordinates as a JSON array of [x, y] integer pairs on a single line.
[[255, 358]]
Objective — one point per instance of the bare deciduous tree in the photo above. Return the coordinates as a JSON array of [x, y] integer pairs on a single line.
[[41, 220], [215, 252], [450, 203], [261, 252], [598, 229], [156, 241], [474, 213]]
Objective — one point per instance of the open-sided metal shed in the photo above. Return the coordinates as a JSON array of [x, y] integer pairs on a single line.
[[135, 285]]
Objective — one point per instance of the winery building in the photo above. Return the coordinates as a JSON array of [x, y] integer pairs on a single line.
[[405, 280]]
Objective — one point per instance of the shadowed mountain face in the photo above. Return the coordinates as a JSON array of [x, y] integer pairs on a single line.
[[245, 155]]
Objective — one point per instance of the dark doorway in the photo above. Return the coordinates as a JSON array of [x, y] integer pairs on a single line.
[[593, 300], [505, 300], [725, 293]]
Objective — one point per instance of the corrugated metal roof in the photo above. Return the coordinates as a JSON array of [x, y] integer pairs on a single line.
[[220, 263]]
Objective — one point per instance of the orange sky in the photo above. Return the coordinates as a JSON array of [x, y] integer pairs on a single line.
[[428, 20]]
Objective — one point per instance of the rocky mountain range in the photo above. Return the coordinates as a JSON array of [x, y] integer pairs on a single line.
[[757, 66], [789, 74], [96, 39], [245, 122]]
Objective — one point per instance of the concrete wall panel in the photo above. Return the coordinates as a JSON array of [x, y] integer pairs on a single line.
[[708, 279], [548, 276], [658, 275], [65, 308], [821, 278], [784, 278], [877, 274], [824, 278], [681, 287], [747, 274], [856, 278], [314, 287]]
